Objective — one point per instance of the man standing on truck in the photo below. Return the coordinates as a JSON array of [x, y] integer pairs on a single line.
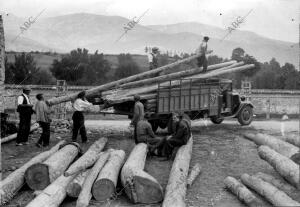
[[138, 114], [202, 60], [179, 138], [152, 58]]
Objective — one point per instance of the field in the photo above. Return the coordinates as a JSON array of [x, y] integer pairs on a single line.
[[221, 150]]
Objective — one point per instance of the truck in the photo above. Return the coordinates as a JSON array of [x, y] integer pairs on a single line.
[[195, 99]]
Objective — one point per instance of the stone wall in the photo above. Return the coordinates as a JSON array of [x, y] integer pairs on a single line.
[[264, 101]]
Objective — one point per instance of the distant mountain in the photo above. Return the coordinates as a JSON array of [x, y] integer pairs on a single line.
[[99, 32]]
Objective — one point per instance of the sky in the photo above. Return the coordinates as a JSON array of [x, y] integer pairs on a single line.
[[276, 19]]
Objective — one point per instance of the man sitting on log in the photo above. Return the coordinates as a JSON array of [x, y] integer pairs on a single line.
[[145, 133], [181, 136]]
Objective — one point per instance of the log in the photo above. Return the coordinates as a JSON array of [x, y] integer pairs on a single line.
[[278, 145], [140, 187], [105, 185], [14, 181], [283, 165], [176, 188], [11, 137], [54, 194], [280, 184], [88, 158], [193, 174], [267, 190], [242, 192], [117, 94], [85, 194], [180, 74], [131, 98], [74, 187], [292, 139], [110, 85], [40, 175]]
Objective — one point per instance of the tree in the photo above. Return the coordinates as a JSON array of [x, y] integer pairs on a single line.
[[80, 68], [127, 66], [22, 70]]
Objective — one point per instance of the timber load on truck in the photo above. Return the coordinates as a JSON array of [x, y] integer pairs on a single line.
[[197, 94]]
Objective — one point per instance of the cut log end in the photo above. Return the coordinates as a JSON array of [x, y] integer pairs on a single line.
[[147, 191], [296, 158], [74, 190], [37, 176], [103, 189]]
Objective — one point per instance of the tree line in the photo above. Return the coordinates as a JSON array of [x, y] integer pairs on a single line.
[[81, 68]]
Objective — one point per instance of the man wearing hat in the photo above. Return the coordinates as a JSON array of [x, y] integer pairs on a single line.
[[202, 61], [25, 111], [138, 114], [152, 58]]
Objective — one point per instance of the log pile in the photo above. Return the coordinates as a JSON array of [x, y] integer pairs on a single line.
[[12, 183], [279, 154]]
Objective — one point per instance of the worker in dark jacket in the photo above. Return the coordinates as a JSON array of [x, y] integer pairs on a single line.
[[179, 138], [138, 114], [25, 111], [145, 133]]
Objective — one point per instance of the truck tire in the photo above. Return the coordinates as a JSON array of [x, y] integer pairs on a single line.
[[154, 125], [245, 116], [216, 120], [162, 124]]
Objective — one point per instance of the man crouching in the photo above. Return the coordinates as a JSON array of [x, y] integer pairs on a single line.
[[145, 133], [181, 136]]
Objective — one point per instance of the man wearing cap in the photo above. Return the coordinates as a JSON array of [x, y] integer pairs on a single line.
[[152, 58], [180, 137], [25, 111], [202, 61], [138, 114]]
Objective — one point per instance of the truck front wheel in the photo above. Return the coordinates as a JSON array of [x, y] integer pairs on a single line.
[[245, 116]]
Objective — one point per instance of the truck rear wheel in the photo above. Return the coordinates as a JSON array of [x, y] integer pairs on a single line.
[[154, 125], [216, 120], [162, 124], [245, 116]]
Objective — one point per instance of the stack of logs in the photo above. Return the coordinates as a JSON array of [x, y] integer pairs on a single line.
[[284, 156], [61, 172]]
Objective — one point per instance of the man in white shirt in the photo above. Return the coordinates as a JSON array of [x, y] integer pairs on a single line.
[[202, 61], [25, 111], [80, 105]]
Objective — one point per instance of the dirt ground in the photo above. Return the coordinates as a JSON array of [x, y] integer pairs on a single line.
[[220, 149]]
